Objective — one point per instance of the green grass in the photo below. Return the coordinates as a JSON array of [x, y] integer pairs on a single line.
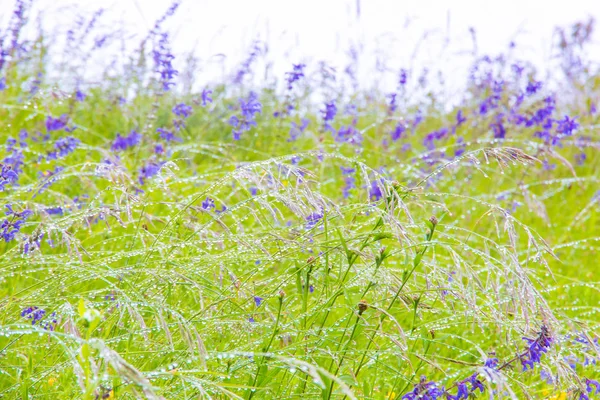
[[154, 295]]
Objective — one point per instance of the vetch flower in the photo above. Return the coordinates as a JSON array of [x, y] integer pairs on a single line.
[[295, 75], [208, 203], [313, 219], [249, 108], [182, 110], [11, 226], [398, 131], [123, 143], [297, 130], [425, 391], [148, 171], [7, 176], [536, 347], [168, 136], [258, 301], [163, 59], [328, 115], [206, 97], [64, 146], [56, 124]]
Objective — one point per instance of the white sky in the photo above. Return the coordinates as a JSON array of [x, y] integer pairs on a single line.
[[312, 30]]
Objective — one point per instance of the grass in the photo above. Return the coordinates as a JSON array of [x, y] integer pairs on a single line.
[[301, 279]]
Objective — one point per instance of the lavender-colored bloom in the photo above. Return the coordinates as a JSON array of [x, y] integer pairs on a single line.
[[592, 386], [247, 63], [32, 243], [328, 115], [313, 219], [460, 118], [460, 150], [64, 146], [424, 391], [7, 176], [182, 110], [536, 347], [148, 171], [168, 136], [55, 124], [208, 203], [206, 97], [54, 211], [498, 127], [348, 134], [430, 138], [35, 314], [79, 95], [163, 61], [295, 75], [376, 190], [349, 181], [393, 106], [297, 130], [249, 108], [566, 126], [12, 225], [2, 83], [123, 143], [403, 77], [398, 131], [258, 301], [533, 87]]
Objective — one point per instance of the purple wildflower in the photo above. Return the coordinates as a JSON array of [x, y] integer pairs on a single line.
[[64, 146], [168, 136], [349, 181], [533, 87], [434, 136], [375, 190], [258, 301], [206, 97], [163, 61], [123, 143], [12, 225], [424, 391], [313, 219], [79, 95], [182, 110], [148, 171], [34, 313], [328, 115], [55, 124], [7, 176], [460, 118], [208, 203], [249, 108], [247, 63], [566, 126], [398, 131], [297, 130], [295, 75], [536, 347], [403, 77], [393, 106]]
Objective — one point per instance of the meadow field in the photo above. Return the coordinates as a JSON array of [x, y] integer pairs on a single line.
[[298, 238]]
